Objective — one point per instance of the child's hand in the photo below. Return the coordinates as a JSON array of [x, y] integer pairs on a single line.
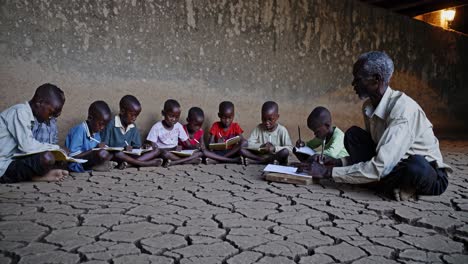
[[270, 148], [102, 145], [327, 161], [178, 148], [145, 145], [300, 143], [221, 140], [128, 148], [197, 146]]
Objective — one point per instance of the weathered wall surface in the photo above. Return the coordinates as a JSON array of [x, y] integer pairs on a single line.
[[200, 52]]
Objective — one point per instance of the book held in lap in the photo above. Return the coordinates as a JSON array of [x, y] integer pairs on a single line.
[[225, 145], [59, 154]]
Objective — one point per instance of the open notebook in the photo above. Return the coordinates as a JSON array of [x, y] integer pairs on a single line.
[[59, 154], [306, 150], [225, 145], [110, 148], [138, 151]]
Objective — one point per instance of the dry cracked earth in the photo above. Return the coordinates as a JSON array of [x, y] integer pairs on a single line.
[[229, 214]]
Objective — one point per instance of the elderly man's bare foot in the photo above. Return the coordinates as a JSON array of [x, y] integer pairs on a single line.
[[51, 176]]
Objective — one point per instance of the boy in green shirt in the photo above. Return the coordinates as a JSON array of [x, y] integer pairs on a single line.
[[319, 121], [269, 141]]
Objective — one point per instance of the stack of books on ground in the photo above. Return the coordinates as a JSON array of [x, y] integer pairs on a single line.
[[286, 174]]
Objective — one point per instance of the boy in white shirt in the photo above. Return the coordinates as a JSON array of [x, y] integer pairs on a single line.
[[166, 133]]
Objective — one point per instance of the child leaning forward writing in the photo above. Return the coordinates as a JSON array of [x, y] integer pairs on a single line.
[[320, 122], [123, 132]]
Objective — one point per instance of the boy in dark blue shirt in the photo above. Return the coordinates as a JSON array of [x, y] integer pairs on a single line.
[[85, 136]]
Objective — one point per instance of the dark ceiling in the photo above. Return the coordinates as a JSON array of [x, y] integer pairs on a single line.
[[415, 7]]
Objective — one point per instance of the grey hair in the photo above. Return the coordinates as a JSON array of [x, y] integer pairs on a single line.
[[377, 62]]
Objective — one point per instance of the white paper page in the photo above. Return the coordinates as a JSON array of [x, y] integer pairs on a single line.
[[306, 150]]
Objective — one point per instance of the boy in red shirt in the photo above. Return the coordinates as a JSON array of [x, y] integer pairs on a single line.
[[226, 129]]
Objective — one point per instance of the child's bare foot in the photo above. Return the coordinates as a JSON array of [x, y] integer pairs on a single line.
[[248, 161], [166, 163], [156, 162], [122, 165], [209, 161], [195, 161], [51, 176]]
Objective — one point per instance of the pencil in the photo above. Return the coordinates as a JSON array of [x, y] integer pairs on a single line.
[[126, 143], [196, 141], [299, 131], [321, 154], [95, 140]]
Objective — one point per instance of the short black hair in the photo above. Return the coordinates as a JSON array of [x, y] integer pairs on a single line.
[[48, 92], [170, 104], [269, 106], [195, 112], [320, 115], [225, 105], [99, 108], [128, 100]]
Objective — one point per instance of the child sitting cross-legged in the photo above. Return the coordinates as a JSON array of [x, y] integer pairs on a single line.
[[122, 132], [194, 130], [269, 141], [82, 138], [224, 130], [166, 134]]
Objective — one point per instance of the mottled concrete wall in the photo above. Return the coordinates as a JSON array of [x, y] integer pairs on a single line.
[[200, 52]]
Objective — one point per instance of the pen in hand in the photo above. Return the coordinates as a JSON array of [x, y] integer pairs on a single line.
[[97, 141], [321, 153]]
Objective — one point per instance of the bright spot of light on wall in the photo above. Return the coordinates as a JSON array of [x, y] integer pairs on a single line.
[[446, 17]]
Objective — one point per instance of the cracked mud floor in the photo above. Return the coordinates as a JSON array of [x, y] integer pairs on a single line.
[[228, 214]]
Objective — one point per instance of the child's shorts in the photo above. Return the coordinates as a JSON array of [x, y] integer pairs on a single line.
[[23, 169]]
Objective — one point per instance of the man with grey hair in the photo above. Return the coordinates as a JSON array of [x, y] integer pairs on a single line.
[[398, 151]]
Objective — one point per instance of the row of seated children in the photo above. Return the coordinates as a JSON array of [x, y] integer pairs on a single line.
[[101, 130]]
